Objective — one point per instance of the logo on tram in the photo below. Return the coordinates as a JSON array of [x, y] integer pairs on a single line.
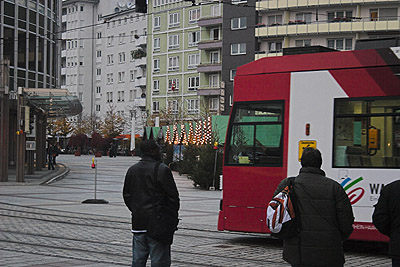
[[354, 194]]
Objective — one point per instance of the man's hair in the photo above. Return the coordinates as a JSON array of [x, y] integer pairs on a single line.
[[311, 157], [150, 148]]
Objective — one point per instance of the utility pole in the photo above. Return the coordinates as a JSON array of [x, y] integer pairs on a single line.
[[4, 119], [20, 167]]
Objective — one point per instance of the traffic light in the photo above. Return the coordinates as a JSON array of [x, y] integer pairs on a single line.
[[32, 124]]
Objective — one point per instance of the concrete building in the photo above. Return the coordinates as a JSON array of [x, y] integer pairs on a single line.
[[104, 59], [336, 24]]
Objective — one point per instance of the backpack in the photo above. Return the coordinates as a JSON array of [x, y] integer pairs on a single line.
[[281, 213]]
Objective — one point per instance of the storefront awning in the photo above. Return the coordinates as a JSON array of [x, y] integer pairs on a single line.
[[53, 102]]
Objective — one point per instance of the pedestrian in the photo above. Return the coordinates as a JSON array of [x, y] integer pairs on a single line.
[[140, 190], [325, 214], [386, 218], [56, 151], [50, 152]]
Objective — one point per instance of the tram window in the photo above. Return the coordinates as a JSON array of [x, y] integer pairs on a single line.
[[367, 133], [255, 136]]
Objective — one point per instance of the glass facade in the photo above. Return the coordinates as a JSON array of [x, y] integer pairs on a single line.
[[29, 38]]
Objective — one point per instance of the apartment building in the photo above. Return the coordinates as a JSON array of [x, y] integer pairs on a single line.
[[336, 24], [173, 57], [104, 58]]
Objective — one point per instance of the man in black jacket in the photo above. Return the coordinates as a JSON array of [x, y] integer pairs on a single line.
[[140, 193], [386, 218], [325, 213]]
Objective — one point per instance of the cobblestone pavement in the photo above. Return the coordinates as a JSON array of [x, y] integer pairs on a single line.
[[47, 225]]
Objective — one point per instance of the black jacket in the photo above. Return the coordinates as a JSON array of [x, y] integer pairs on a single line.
[[139, 189], [326, 219], [386, 216]]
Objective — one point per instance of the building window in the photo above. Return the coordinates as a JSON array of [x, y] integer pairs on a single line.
[[98, 71], [193, 105], [238, 23], [340, 16], [156, 44], [173, 63], [173, 41], [99, 35], [214, 34], [156, 86], [121, 96], [109, 98], [98, 53], [383, 14], [303, 18], [121, 57], [121, 76], [341, 44], [214, 80], [156, 106], [193, 61], [132, 75], [301, 43], [214, 57], [215, 11], [173, 106], [274, 47], [238, 49], [110, 78], [98, 107], [194, 15], [110, 40], [156, 65], [110, 59], [193, 83], [214, 103], [194, 38], [122, 37], [232, 74], [173, 20], [157, 23], [274, 20], [98, 90], [173, 84]]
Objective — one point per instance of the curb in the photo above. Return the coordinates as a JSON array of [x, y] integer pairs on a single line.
[[58, 177]]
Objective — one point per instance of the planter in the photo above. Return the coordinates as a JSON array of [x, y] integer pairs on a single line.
[[98, 154], [77, 153]]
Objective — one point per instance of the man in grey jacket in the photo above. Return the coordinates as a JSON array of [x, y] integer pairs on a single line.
[[325, 213]]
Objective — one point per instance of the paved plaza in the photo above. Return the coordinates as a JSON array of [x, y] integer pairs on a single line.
[[46, 224]]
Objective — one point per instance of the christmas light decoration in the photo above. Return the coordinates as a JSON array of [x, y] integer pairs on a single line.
[[183, 135], [176, 138], [191, 133], [167, 136]]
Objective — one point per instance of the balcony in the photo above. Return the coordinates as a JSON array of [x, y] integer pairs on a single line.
[[211, 44], [140, 82], [140, 102], [210, 91], [63, 71], [209, 67], [141, 62], [210, 21], [64, 35], [64, 18], [267, 5], [325, 27], [141, 42], [63, 53]]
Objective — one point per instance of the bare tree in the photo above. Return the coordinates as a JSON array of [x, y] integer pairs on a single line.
[[113, 124]]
